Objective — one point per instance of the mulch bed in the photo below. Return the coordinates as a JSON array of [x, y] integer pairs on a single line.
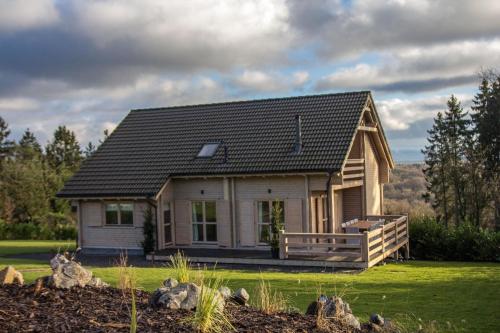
[[25, 309]]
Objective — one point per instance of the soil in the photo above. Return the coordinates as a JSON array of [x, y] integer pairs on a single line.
[[31, 309]]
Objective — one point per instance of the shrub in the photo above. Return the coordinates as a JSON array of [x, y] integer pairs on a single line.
[[209, 316], [269, 301], [149, 242], [180, 265], [433, 241], [38, 231]]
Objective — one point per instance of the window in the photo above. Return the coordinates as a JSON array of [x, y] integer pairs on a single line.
[[208, 150], [265, 219], [167, 222], [119, 214], [204, 220]]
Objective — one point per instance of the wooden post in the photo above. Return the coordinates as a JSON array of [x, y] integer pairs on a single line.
[[407, 246], [382, 235], [365, 248], [283, 245]]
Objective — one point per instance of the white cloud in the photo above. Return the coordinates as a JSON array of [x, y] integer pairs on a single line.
[[417, 68], [18, 15], [260, 81], [399, 114], [15, 104]]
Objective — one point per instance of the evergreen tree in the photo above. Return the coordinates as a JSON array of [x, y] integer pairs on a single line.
[[456, 132], [28, 147], [6, 145], [90, 148], [486, 126], [435, 170], [64, 153]]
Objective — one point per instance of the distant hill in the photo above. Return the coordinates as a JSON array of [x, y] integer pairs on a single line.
[[404, 192]]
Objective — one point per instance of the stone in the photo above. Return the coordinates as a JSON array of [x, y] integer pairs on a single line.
[[97, 282], [183, 296], [377, 319], [68, 273], [170, 283], [10, 275], [241, 296], [225, 292], [333, 307]]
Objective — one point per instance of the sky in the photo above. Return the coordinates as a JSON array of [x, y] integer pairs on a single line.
[[85, 64]]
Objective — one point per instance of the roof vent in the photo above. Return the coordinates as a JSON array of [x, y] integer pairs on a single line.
[[298, 135]]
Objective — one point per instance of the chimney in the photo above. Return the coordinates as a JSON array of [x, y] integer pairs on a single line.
[[298, 135]]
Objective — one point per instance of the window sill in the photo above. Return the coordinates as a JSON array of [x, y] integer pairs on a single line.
[[116, 226]]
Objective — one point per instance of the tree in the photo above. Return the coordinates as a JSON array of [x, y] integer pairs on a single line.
[[456, 133], [28, 147], [435, 170], [486, 125], [64, 153], [6, 145], [90, 149]]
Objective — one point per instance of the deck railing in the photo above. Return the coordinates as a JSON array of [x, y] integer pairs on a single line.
[[362, 249]]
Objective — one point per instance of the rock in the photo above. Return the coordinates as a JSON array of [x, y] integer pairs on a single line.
[[377, 319], [67, 274], [183, 296], [225, 292], [240, 296], [9, 275], [98, 283], [333, 307], [170, 283]]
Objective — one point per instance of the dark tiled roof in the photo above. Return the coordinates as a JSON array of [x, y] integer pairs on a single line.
[[152, 144]]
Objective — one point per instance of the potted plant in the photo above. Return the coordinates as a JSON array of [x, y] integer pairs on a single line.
[[277, 224]]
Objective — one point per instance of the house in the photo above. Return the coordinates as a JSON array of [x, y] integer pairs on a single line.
[[213, 172]]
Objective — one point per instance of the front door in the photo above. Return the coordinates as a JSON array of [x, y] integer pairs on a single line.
[[167, 223], [319, 213]]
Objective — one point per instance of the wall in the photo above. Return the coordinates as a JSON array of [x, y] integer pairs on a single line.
[[95, 234], [373, 200]]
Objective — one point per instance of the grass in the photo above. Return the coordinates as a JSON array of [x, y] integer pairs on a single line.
[[442, 291], [268, 300], [8, 247]]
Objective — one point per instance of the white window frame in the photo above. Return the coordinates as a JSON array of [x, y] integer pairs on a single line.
[[119, 217], [204, 222], [268, 224]]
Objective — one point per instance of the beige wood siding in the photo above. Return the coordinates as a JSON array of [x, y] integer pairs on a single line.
[[338, 211], [372, 178], [246, 218], [95, 234], [191, 189], [92, 213], [223, 223], [182, 222], [293, 215], [352, 203], [317, 183], [355, 151]]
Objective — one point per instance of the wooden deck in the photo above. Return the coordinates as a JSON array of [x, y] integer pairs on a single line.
[[342, 250], [360, 250]]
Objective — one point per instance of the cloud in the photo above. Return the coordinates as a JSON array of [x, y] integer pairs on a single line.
[[399, 114], [340, 30], [419, 69], [16, 15], [108, 42], [260, 81]]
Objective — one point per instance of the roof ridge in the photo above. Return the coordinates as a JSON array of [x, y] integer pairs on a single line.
[[252, 100]]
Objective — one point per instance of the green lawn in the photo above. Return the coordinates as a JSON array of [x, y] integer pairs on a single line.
[[30, 246], [465, 294]]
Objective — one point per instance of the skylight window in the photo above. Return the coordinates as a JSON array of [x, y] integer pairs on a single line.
[[208, 150]]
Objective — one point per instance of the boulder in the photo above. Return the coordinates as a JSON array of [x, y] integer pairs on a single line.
[[182, 296], [68, 273], [240, 296], [225, 292], [10, 275], [333, 307], [170, 283], [377, 319]]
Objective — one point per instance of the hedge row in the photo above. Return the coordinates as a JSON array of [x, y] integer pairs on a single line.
[[42, 231], [431, 240]]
